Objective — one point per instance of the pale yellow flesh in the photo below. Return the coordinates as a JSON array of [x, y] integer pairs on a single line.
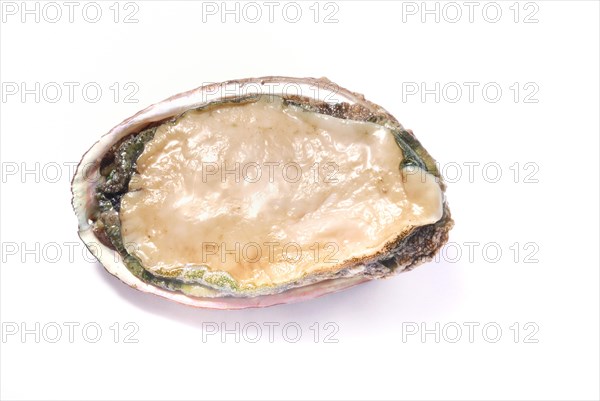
[[191, 205]]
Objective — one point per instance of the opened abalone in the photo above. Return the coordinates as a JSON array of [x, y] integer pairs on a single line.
[[257, 192]]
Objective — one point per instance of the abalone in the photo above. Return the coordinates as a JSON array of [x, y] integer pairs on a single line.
[[257, 192]]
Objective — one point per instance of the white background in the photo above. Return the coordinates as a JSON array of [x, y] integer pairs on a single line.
[[375, 49]]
